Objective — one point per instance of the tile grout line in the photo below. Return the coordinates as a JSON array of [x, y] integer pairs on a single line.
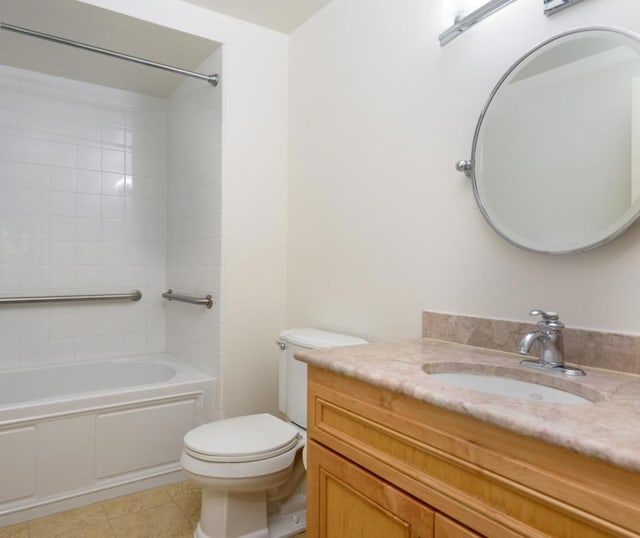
[[113, 532]]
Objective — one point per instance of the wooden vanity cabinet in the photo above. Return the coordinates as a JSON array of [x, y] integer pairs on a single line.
[[357, 503], [381, 464]]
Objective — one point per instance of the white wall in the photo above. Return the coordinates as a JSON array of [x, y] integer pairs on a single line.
[[381, 226], [82, 210], [193, 218], [254, 198]]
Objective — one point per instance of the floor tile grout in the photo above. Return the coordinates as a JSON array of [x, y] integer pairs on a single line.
[[108, 520]]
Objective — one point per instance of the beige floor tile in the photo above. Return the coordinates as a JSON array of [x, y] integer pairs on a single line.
[[136, 502], [166, 521], [182, 488], [86, 530], [185, 534], [170, 511], [65, 523], [189, 504], [15, 531], [188, 498]]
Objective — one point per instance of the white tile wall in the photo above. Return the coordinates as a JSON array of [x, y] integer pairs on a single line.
[[194, 218], [82, 209]]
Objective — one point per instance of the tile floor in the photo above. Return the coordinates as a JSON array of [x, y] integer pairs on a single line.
[[166, 512]]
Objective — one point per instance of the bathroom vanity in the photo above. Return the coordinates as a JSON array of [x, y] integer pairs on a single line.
[[394, 452]]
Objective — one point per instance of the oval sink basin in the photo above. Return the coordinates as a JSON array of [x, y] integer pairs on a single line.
[[490, 379]]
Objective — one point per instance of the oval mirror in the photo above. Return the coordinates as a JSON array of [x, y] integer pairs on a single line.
[[556, 153]]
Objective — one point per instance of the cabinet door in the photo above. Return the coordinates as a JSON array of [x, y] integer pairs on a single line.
[[447, 528], [345, 501]]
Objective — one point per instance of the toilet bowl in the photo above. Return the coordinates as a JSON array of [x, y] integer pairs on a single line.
[[236, 462], [251, 468]]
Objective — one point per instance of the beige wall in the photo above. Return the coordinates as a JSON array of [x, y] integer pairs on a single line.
[[254, 115], [381, 226]]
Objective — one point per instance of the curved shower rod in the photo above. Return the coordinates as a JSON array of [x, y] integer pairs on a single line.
[[211, 79]]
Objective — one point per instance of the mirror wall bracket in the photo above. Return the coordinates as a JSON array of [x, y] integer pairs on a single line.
[[553, 6], [464, 166], [463, 24]]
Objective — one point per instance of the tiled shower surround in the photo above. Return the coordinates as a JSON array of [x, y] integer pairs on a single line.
[[194, 218], [83, 209]]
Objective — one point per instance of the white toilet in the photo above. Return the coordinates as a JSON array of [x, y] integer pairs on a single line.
[[251, 468]]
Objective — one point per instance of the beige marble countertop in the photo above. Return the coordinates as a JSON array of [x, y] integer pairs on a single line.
[[608, 429]]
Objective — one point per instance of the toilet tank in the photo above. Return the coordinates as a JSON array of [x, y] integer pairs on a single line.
[[293, 374]]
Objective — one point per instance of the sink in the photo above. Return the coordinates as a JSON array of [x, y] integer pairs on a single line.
[[511, 382]]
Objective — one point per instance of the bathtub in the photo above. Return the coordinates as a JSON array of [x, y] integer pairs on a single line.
[[78, 433]]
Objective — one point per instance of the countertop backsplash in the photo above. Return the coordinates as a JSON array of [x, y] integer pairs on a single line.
[[612, 351]]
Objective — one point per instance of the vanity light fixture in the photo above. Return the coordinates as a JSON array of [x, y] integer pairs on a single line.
[[553, 6], [465, 21]]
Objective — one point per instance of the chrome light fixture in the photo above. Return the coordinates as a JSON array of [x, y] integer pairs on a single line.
[[464, 22], [553, 6]]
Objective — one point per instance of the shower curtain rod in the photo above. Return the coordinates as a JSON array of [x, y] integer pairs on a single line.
[[211, 79]]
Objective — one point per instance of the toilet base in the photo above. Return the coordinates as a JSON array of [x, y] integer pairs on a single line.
[[291, 519], [232, 514], [200, 534], [244, 515], [278, 527]]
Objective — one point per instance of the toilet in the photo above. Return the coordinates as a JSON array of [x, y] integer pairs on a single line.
[[251, 468]]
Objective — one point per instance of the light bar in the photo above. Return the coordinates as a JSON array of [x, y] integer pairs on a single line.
[[472, 18]]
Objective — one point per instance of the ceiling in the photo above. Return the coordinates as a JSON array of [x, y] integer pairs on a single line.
[[280, 15], [106, 29], [102, 28]]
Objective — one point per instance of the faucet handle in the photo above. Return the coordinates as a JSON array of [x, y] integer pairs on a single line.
[[546, 316], [550, 320]]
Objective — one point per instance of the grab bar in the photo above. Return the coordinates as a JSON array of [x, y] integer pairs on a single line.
[[206, 301], [135, 295]]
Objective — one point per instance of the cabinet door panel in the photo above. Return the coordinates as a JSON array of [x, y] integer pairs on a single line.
[[447, 528], [346, 501]]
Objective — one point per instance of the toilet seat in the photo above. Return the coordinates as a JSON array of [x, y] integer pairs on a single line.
[[241, 439]]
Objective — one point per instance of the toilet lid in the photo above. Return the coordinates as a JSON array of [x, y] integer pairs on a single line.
[[247, 438]]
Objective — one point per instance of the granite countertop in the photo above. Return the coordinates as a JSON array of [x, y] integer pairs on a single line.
[[608, 429]]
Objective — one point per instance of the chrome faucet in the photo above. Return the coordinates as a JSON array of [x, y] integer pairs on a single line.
[[550, 344]]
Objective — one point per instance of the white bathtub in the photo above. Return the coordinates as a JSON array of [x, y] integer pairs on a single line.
[[78, 433]]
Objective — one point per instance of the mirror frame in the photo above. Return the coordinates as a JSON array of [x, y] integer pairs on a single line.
[[469, 166]]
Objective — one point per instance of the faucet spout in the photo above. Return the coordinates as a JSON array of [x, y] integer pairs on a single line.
[[550, 342], [527, 341], [549, 354]]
